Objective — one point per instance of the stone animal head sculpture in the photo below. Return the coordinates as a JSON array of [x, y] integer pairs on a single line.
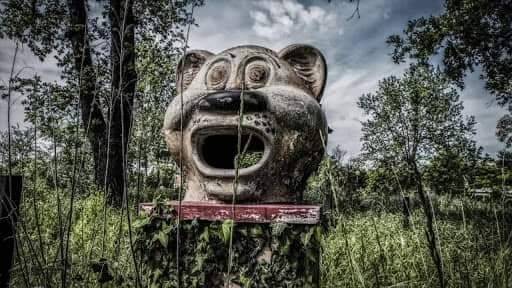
[[282, 124]]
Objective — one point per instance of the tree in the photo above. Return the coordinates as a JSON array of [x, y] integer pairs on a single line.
[[411, 119], [503, 164], [385, 183], [97, 53], [504, 159], [494, 174], [154, 167], [337, 183], [452, 171], [469, 33]]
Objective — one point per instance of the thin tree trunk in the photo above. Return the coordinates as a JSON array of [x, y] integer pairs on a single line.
[[406, 211], [9, 136], [92, 117], [124, 79], [123, 87], [34, 204], [430, 232]]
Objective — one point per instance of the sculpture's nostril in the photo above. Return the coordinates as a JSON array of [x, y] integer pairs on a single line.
[[230, 101]]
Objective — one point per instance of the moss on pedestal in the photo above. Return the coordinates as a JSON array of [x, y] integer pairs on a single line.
[[264, 255]]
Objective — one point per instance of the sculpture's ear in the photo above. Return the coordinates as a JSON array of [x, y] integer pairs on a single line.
[[309, 64], [188, 67]]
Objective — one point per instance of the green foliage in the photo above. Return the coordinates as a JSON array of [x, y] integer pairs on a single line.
[[155, 69], [204, 250], [96, 236], [337, 183], [38, 24], [386, 182], [454, 171], [250, 158], [372, 249], [411, 121], [413, 117], [84, 109], [468, 33]]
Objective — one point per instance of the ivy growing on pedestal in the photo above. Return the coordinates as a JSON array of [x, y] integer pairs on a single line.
[[294, 250]]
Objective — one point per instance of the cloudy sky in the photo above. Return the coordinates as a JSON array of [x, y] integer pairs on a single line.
[[355, 50]]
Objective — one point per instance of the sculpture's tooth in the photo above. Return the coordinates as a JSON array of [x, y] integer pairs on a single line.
[[203, 104]]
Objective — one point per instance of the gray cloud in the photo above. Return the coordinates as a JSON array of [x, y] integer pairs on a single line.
[[275, 20], [355, 51]]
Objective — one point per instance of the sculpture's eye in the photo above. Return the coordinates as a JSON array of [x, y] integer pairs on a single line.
[[256, 74], [217, 76]]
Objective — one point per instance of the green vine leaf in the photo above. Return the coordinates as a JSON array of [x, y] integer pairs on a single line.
[[226, 230], [162, 238], [294, 253]]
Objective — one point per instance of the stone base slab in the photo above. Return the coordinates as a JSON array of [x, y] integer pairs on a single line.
[[243, 213]]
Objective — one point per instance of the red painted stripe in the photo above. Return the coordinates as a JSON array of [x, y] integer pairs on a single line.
[[254, 213]]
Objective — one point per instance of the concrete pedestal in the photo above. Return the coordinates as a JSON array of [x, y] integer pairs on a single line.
[[272, 245]]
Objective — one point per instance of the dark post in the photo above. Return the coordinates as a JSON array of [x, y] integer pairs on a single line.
[[10, 195], [406, 208]]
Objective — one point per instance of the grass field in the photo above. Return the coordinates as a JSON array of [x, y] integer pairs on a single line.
[[374, 249]]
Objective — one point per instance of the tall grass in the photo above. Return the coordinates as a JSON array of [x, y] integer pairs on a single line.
[[373, 249], [85, 248]]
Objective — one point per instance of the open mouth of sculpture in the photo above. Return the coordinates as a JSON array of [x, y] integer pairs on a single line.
[[218, 152]]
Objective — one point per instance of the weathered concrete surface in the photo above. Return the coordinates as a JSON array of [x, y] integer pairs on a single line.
[[282, 122]]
